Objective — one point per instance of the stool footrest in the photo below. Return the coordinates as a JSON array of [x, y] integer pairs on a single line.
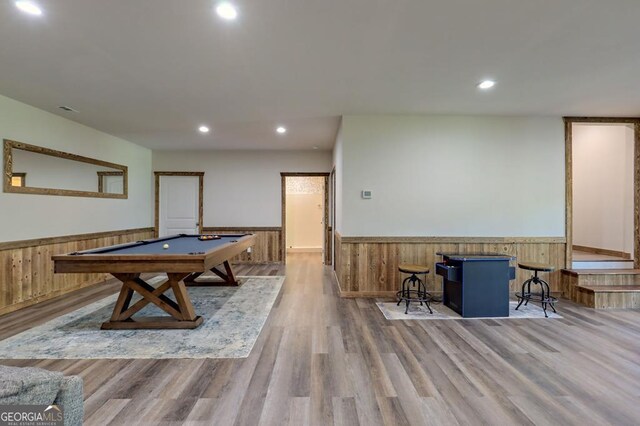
[[408, 295], [544, 297], [536, 298], [418, 298]]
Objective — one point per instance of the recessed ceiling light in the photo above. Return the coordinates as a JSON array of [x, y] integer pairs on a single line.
[[203, 129], [486, 84], [227, 11], [315, 147], [29, 7], [281, 130]]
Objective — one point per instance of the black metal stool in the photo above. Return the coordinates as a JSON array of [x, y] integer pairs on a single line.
[[421, 294], [544, 297]]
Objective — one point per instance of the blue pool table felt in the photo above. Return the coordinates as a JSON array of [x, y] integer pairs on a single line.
[[177, 245]]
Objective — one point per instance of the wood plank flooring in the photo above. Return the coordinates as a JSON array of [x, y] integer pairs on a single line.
[[322, 360]]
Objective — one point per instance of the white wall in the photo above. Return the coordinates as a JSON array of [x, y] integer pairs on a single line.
[[27, 216], [603, 186], [453, 176], [242, 188]]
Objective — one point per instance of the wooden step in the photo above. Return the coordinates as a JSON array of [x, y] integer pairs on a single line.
[[602, 288], [578, 272], [609, 296], [594, 277], [610, 288]]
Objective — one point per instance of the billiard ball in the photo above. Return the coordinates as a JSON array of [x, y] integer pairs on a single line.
[[166, 246]]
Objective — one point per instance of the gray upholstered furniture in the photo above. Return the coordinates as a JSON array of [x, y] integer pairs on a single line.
[[34, 386]]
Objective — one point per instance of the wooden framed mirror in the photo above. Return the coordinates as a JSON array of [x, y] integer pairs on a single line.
[[52, 172]]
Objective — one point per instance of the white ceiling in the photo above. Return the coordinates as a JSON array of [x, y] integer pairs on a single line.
[[152, 71]]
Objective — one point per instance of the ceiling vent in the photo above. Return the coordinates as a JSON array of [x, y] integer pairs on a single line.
[[68, 109]]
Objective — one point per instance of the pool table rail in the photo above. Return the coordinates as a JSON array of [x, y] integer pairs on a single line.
[[138, 263]]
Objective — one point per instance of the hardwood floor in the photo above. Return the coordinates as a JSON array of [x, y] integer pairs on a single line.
[[322, 360]]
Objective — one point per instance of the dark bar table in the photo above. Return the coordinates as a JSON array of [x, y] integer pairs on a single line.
[[476, 285]]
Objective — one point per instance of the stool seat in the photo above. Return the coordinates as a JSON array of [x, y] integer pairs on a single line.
[[407, 294], [408, 268], [544, 297], [532, 266]]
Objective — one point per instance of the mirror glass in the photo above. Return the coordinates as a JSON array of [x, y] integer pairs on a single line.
[[39, 170]]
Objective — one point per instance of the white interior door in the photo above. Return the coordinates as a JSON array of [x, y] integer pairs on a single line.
[[179, 205]]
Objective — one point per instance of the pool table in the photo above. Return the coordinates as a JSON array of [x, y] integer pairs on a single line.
[[185, 259]]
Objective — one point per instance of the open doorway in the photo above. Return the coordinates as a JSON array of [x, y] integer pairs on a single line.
[[601, 216], [305, 216]]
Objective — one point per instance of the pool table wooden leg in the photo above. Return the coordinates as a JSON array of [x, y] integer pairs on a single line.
[[191, 278], [124, 298], [182, 314], [227, 276], [182, 297], [166, 304]]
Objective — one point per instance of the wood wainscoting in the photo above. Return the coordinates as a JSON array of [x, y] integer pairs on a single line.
[[267, 248], [26, 269], [368, 266]]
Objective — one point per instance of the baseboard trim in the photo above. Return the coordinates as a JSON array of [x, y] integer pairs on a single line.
[[606, 252], [304, 250], [366, 294]]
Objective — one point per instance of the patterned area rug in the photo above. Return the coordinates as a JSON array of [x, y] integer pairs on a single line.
[[392, 311], [233, 319]]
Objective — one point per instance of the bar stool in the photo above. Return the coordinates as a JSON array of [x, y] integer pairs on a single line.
[[544, 297], [420, 294]]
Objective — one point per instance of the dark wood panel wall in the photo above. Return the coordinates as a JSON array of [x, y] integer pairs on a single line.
[[26, 269], [368, 266], [267, 248]]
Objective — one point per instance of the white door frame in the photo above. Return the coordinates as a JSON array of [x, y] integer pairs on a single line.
[[157, 196]]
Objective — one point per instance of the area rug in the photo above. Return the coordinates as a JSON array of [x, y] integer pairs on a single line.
[[233, 319], [392, 311]]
